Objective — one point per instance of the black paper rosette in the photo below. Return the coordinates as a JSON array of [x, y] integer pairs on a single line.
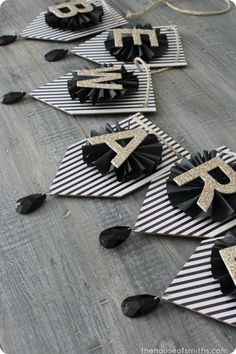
[[130, 51], [99, 95], [142, 162], [218, 267], [185, 197], [77, 22]]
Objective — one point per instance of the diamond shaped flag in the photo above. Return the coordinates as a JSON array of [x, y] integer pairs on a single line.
[[74, 178], [39, 29], [158, 217], [195, 288], [56, 94], [95, 50]]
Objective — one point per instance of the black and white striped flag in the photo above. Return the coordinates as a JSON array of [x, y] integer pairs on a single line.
[[94, 49], [56, 94], [157, 215], [195, 288], [74, 178], [38, 29]]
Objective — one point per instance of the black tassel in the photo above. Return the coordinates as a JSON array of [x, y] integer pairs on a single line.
[[12, 97], [30, 203], [114, 236], [56, 54], [7, 39], [139, 305]]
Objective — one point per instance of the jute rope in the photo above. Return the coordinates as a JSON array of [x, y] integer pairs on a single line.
[[174, 29], [158, 71], [160, 138], [148, 7], [104, 3], [153, 72], [138, 62]]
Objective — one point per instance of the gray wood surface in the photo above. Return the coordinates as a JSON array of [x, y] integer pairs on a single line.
[[60, 291]]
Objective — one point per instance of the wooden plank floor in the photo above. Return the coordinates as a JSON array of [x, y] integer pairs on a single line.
[[60, 291]]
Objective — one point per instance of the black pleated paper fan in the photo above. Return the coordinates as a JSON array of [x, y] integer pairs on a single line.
[[99, 95], [218, 267], [77, 22], [130, 51], [142, 162], [185, 197]]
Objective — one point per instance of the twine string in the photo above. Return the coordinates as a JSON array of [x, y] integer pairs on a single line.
[[148, 7], [170, 28], [174, 29], [109, 10], [138, 62], [158, 135], [158, 71]]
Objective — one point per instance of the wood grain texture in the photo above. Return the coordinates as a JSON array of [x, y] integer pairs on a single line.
[[60, 291]]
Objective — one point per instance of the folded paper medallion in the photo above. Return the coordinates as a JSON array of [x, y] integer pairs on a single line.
[[110, 165], [207, 282], [105, 90], [158, 46], [197, 198], [73, 20]]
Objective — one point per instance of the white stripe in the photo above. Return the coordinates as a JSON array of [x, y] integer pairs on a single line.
[[190, 277], [219, 307], [190, 284], [195, 297]]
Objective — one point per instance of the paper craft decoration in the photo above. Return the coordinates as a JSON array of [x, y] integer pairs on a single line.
[[74, 178], [172, 53], [102, 85], [223, 263], [203, 185], [56, 94], [195, 288], [158, 216], [39, 29], [129, 153], [74, 15], [125, 44]]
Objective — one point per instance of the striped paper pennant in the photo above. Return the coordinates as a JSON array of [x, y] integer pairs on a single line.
[[38, 29], [157, 215], [74, 178], [94, 49], [56, 94], [195, 288]]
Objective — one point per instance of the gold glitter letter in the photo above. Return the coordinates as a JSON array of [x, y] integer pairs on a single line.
[[74, 7], [136, 33], [100, 77], [229, 257], [122, 153], [210, 184]]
